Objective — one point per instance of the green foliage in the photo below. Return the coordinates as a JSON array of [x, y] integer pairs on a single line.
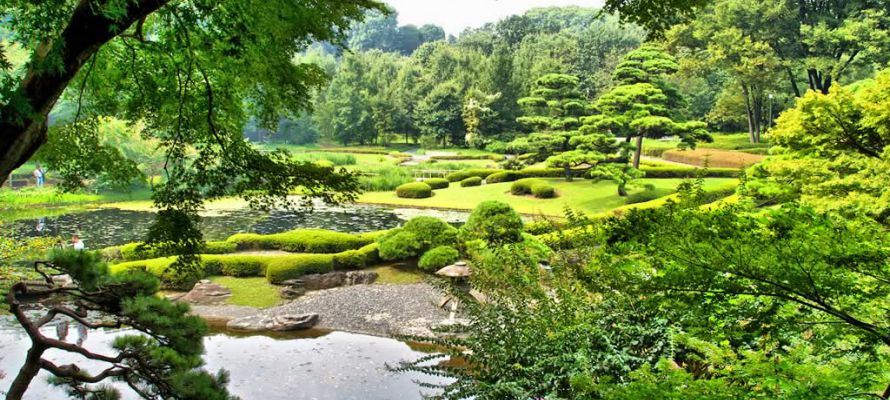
[[414, 190], [543, 190], [505, 176], [238, 267], [301, 241], [524, 186], [492, 222], [438, 257], [437, 183], [461, 175], [416, 237], [642, 197], [386, 178], [471, 181], [297, 265]]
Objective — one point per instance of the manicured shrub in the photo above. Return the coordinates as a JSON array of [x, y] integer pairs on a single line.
[[492, 222], [237, 266], [220, 247], [349, 259], [471, 181], [642, 197], [437, 258], [461, 175], [543, 172], [414, 190], [371, 253], [399, 245], [543, 190], [523, 186], [505, 176], [542, 226], [437, 183], [279, 269], [417, 236], [301, 241], [536, 247]]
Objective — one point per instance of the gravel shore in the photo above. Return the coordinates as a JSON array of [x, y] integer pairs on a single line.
[[380, 310]]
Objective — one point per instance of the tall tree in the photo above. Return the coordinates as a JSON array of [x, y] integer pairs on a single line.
[[439, 114]]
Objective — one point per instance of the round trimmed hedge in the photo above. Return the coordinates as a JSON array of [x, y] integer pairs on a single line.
[[543, 190], [523, 186], [414, 190], [471, 181], [506, 176], [437, 258], [437, 183]]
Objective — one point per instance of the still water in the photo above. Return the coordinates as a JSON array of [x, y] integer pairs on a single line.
[[329, 366], [110, 227]]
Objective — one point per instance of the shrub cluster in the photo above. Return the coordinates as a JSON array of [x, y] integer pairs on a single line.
[[437, 258], [415, 238], [493, 222], [294, 266], [538, 188], [357, 259], [482, 173], [437, 183], [414, 190], [131, 251], [302, 241], [543, 190], [471, 181], [642, 197]]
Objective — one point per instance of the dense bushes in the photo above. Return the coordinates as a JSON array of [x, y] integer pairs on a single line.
[[437, 183], [642, 197], [522, 186], [414, 190], [302, 241], [131, 251], [482, 173], [492, 222], [437, 258], [416, 237], [538, 188], [457, 157], [505, 176], [294, 266], [471, 181]]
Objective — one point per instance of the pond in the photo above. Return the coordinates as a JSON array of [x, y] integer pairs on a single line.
[[110, 227], [335, 365]]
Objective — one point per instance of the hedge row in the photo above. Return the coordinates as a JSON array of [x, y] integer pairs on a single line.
[[501, 175], [457, 157], [129, 252], [414, 190], [303, 241], [275, 268], [670, 171]]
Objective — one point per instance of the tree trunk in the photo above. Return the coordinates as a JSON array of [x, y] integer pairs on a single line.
[[27, 373], [638, 152], [23, 131], [568, 172], [749, 113], [622, 189], [757, 97]]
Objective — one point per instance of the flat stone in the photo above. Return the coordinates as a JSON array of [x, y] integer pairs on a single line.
[[207, 293], [274, 322]]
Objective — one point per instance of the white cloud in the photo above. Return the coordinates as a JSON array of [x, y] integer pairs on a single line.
[[456, 15]]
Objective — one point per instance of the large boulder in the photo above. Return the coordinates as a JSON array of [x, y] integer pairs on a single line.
[[273, 322], [296, 287], [206, 293]]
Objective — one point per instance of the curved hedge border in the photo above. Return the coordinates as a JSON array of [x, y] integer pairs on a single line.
[[532, 186], [505, 176], [437, 183], [471, 181], [414, 190], [128, 252]]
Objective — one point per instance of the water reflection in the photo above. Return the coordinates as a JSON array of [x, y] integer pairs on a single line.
[[317, 365]]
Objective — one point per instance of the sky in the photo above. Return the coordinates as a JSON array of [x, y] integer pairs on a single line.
[[456, 15]]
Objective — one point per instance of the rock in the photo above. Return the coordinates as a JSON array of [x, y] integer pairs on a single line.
[[330, 280], [360, 278], [62, 280], [291, 292], [207, 293], [273, 322]]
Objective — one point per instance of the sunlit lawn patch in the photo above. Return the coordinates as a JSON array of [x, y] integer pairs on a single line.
[[253, 292]]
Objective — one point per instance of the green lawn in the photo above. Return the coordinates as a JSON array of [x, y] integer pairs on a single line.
[[581, 195], [722, 141], [253, 291], [396, 274]]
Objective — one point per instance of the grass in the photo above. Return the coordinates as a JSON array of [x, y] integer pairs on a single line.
[[396, 274], [713, 158], [722, 141], [252, 292], [33, 202], [581, 195]]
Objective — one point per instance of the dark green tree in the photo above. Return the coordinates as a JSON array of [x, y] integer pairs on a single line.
[[439, 114]]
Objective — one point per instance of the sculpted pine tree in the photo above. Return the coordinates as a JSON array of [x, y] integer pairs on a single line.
[[162, 361]]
